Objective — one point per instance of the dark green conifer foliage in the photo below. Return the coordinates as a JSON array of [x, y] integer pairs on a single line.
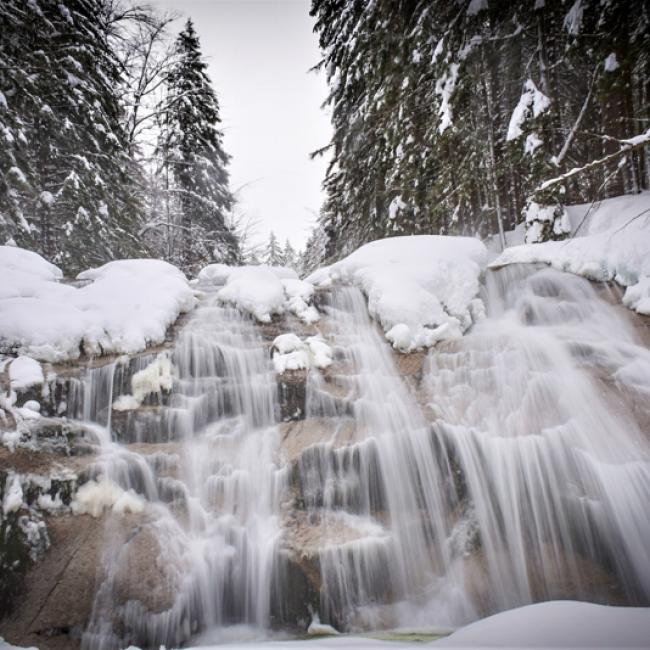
[[423, 94], [67, 183], [193, 152]]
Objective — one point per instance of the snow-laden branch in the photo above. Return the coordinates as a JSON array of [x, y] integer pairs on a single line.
[[628, 145]]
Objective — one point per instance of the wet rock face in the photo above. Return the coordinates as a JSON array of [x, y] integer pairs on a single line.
[[57, 596], [292, 394]]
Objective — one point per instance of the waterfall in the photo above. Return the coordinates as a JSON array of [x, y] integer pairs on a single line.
[[507, 470], [385, 490], [213, 489], [556, 474]]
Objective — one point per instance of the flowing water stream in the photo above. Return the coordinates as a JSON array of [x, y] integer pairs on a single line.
[[508, 471]]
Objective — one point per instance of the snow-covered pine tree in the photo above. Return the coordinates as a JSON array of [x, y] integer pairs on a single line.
[[289, 258], [423, 96], [273, 255], [67, 184], [195, 162], [315, 252]]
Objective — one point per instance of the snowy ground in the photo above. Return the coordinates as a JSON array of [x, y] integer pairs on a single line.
[[124, 306], [554, 624], [610, 241], [421, 289]]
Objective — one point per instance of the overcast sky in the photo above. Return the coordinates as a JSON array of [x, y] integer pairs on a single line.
[[259, 53]]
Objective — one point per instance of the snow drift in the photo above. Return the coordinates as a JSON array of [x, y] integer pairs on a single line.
[[557, 624], [126, 306], [421, 289]]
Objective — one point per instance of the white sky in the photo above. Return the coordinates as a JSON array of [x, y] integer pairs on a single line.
[[259, 53]]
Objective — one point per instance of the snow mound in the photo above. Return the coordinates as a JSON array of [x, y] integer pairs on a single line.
[[94, 497], [611, 242], [557, 624], [292, 353], [256, 290], [262, 290], [25, 372], [125, 306], [422, 289]]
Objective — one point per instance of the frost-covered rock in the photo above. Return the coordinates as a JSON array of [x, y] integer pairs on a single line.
[[94, 497], [611, 242], [125, 306], [422, 289], [157, 377]]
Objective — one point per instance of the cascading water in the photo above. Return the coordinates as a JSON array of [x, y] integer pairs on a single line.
[[387, 557], [510, 473], [556, 474], [211, 523]]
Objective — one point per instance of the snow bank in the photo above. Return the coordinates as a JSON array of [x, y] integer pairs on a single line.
[[613, 243], [127, 305], [292, 353], [422, 289], [94, 497], [557, 624], [262, 290]]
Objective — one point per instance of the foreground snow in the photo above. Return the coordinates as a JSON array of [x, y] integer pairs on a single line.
[[612, 242], [422, 289], [126, 306], [554, 624], [557, 624]]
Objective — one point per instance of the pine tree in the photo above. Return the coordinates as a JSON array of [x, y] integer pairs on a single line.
[[423, 95], [195, 162], [68, 188], [289, 258], [273, 255], [315, 253]]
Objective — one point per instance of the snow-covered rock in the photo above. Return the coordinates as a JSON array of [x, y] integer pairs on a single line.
[[611, 242], [557, 624], [262, 290], [25, 372], [256, 290], [290, 352], [299, 295], [421, 289], [126, 305]]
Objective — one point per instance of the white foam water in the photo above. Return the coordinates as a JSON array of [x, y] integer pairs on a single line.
[[214, 518]]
